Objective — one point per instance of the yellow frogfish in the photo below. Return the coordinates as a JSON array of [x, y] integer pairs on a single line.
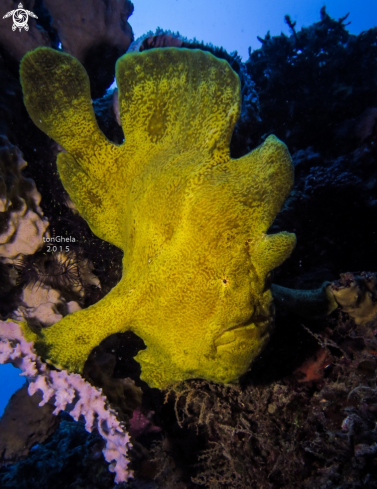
[[192, 221]]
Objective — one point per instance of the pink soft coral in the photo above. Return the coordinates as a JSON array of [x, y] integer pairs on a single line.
[[69, 392]]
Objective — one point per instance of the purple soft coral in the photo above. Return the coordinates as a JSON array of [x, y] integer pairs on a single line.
[[69, 392]]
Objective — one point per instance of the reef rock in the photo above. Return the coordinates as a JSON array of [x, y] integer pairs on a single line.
[[96, 33], [24, 424]]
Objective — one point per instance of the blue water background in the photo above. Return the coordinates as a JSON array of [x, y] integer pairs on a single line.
[[10, 382]]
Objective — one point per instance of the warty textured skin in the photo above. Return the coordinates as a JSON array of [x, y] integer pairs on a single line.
[[191, 220]]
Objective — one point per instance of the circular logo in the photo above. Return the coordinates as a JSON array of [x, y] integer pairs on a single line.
[[20, 18]]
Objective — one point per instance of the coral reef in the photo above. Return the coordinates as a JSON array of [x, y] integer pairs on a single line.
[[71, 457], [219, 286], [121, 392], [158, 39], [68, 271], [326, 190], [354, 294], [68, 392], [22, 225], [43, 306], [316, 92], [314, 85], [357, 296], [313, 428], [47, 286]]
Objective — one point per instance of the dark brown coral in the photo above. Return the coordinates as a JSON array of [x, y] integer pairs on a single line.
[[82, 26], [96, 33]]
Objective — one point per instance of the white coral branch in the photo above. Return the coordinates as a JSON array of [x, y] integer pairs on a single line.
[[71, 393]]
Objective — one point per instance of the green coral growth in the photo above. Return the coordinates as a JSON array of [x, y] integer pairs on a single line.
[[190, 220]]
